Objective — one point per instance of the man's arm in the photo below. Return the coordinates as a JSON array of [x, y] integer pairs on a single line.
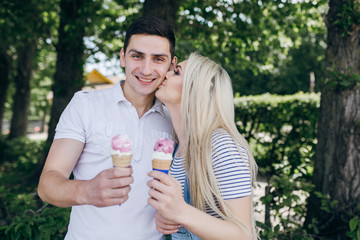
[[109, 187]]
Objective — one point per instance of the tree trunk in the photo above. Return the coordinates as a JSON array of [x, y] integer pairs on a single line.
[[337, 157], [4, 82], [164, 9], [70, 60], [21, 104], [68, 77]]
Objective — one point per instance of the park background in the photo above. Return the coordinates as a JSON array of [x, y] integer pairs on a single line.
[[295, 67]]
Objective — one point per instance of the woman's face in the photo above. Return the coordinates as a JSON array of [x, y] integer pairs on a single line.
[[169, 91]]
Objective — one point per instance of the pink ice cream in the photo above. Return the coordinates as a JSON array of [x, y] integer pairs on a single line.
[[121, 143], [162, 155], [164, 145], [121, 151]]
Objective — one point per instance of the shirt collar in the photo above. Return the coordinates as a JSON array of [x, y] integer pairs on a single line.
[[119, 97], [118, 92]]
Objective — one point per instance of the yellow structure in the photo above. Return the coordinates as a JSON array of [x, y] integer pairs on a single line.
[[95, 80]]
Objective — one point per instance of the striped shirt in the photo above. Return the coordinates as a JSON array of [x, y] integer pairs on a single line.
[[231, 169]]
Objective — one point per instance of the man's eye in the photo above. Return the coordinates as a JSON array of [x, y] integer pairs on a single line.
[[136, 56], [159, 59]]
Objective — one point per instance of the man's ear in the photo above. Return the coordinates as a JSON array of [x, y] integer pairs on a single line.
[[122, 58], [173, 63]]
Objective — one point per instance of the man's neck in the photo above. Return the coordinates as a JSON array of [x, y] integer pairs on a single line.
[[142, 104]]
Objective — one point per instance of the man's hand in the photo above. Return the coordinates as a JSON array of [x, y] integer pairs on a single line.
[[109, 187]]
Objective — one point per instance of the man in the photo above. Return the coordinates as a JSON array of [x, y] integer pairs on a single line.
[[104, 205]]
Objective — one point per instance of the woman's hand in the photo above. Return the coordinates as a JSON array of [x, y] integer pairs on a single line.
[[165, 226], [166, 197]]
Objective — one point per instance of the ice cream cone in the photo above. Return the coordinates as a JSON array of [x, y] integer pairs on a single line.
[[161, 165], [121, 161]]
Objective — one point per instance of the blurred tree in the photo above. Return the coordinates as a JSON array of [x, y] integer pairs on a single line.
[[255, 40], [21, 99], [165, 9], [4, 80], [27, 29], [5, 57], [68, 78], [337, 158], [77, 18]]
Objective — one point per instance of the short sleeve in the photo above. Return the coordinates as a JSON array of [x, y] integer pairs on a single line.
[[72, 121], [231, 167]]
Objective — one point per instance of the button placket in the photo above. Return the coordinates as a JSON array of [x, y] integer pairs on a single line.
[[140, 138]]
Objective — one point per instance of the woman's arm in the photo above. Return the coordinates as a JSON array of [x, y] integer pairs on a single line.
[[166, 198]]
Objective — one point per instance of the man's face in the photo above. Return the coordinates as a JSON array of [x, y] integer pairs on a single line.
[[146, 62]]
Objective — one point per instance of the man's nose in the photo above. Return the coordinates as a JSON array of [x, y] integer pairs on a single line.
[[146, 68]]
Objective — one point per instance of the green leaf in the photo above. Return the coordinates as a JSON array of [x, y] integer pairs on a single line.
[[27, 231], [354, 223]]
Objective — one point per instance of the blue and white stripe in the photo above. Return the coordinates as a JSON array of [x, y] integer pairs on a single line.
[[231, 169]]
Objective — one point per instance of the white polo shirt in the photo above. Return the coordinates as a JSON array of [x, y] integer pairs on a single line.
[[94, 118]]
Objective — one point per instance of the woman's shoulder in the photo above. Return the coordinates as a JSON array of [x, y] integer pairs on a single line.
[[221, 137], [220, 133], [223, 144]]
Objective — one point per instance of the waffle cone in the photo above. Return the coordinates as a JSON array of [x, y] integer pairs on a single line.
[[121, 161], [161, 164]]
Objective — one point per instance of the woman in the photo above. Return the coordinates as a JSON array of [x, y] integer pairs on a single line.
[[208, 194]]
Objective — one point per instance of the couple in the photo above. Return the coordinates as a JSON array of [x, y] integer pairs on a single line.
[[208, 193]]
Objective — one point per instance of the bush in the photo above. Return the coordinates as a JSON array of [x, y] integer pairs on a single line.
[[24, 216], [18, 158], [281, 131]]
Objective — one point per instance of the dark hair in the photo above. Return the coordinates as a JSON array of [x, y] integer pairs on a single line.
[[151, 26]]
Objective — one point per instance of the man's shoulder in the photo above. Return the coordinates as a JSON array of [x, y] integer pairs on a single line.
[[94, 95]]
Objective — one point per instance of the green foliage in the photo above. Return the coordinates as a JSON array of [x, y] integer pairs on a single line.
[[354, 225], [28, 218], [283, 129], [276, 233], [270, 46], [282, 133], [18, 157], [326, 205], [22, 214], [107, 32], [341, 81], [348, 17], [21, 21]]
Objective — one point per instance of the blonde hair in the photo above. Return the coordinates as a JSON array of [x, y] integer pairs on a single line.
[[206, 105]]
